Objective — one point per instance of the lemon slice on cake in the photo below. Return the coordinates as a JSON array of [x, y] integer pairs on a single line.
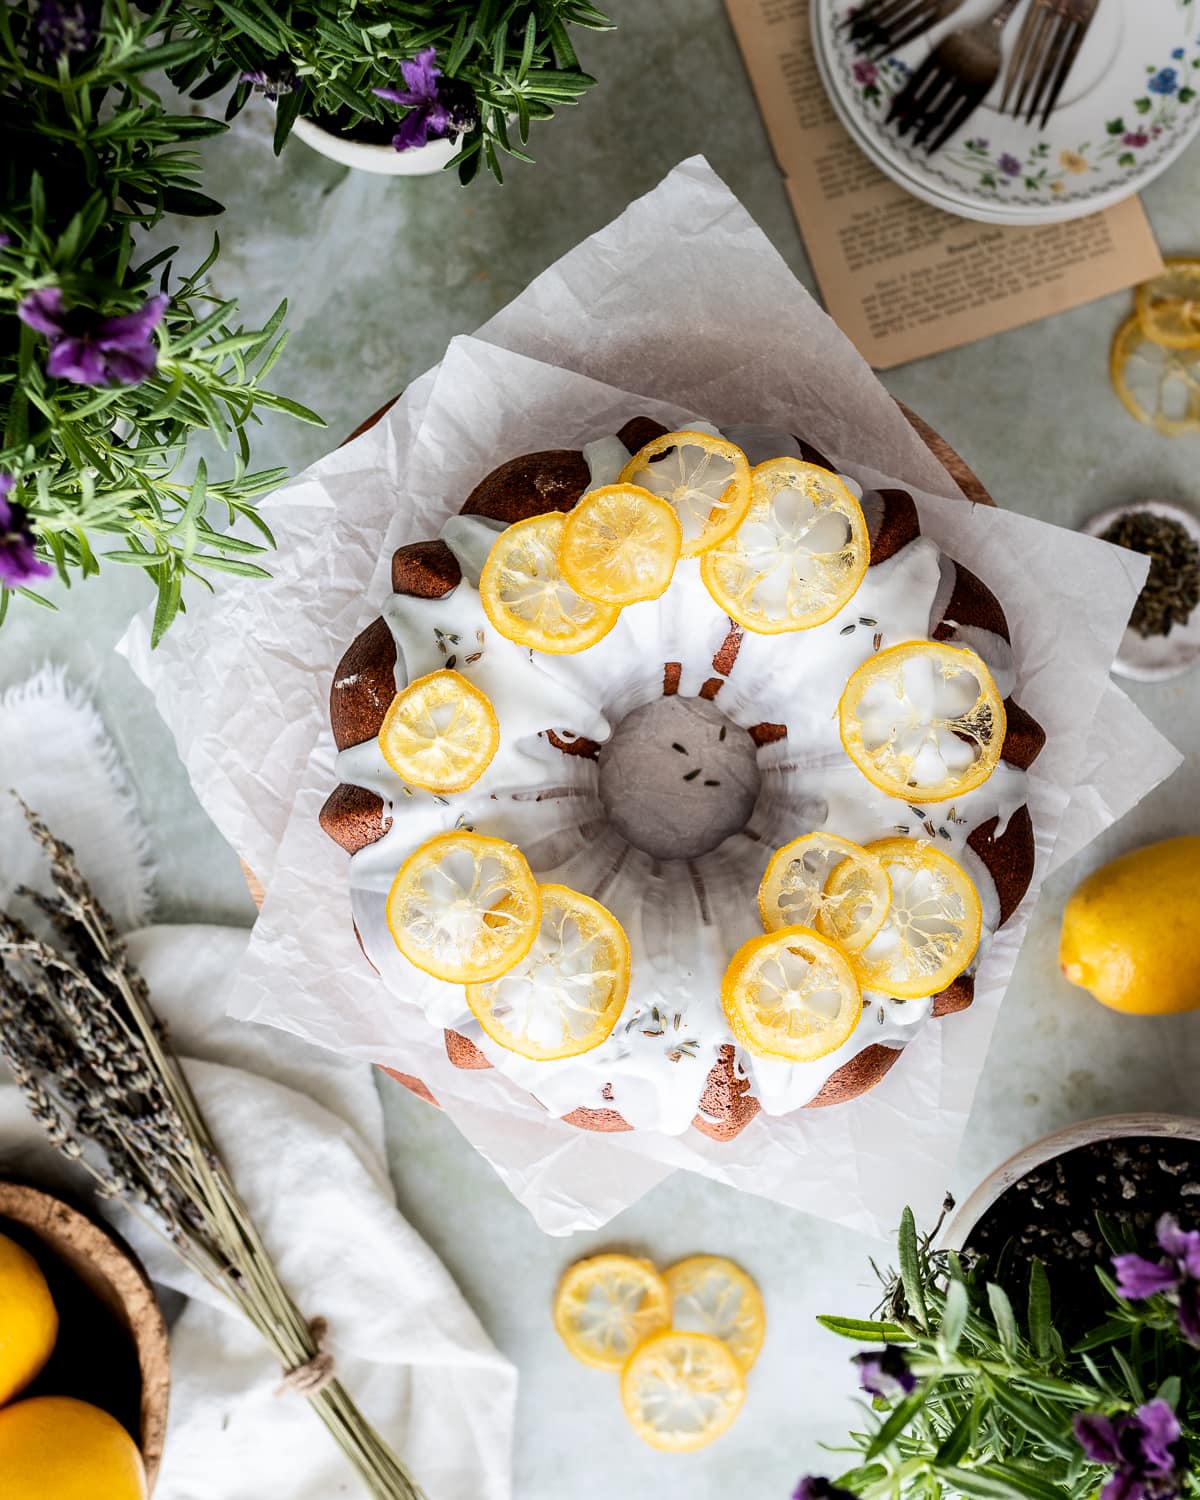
[[620, 545], [440, 733], [923, 721], [1168, 308], [1159, 386], [526, 597], [795, 890], [705, 479], [682, 1390], [709, 1294], [931, 931], [797, 558], [563, 998], [791, 994], [608, 1305], [464, 907]]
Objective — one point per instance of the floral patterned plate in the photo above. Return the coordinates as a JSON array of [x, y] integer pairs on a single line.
[[1130, 107]]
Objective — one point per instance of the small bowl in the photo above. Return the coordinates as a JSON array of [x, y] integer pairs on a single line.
[[105, 1303], [1154, 658]]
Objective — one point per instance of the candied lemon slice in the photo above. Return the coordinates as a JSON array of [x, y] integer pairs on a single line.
[[1168, 308], [682, 1390], [705, 480], [1157, 385], [440, 733], [620, 545], [526, 597], [923, 721], [931, 931], [565, 995], [799, 555], [464, 907], [709, 1294], [606, 1306], [791, 994], [795, 890]]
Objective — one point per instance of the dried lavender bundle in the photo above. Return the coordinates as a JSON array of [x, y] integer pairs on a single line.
[[78, 1031]]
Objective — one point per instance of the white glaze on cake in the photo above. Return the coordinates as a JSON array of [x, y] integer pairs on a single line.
[[684, 920]]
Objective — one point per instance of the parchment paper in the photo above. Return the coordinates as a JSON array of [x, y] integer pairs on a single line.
[[681, 297]]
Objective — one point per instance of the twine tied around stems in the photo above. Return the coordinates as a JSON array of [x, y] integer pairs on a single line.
[[311, 1378]]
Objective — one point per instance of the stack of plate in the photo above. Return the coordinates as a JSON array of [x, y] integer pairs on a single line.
[[1130, 106]]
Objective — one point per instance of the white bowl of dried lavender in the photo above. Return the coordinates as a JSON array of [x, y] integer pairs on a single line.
[[1163, 638]]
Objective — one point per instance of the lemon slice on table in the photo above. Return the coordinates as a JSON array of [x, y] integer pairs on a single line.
[[565, 995], [791, 994], [705, 480], [620, 545], [709, 1294], [440, 733], [682, 1390], [1157, 385], [931, 931], [797, 558], [795, 890], [923, 721], [607, 1305], [1168, 308], [464, 907], [526, 597]]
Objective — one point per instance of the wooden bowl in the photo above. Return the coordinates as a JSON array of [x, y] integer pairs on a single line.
[[112, 1343]]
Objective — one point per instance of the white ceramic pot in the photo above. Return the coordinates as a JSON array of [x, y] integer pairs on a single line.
[[1106, 1128], [421, 161]]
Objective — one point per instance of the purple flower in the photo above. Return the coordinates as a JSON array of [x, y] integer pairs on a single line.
[[1136, 138], [18, 561], [978, 143], [437, 107], [816, 1487], [1176, 1271], [1009, 164], [885, 1372], [865, 73], [1142, 1449], [1165, 81], [66, 26], [89, 349]]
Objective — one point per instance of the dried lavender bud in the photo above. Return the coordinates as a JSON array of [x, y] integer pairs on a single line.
[[1172, 591]]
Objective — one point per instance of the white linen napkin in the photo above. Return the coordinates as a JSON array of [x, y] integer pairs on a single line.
[[302, 1133]]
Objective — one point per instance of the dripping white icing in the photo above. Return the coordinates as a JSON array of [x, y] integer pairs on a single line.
[[684, 920]]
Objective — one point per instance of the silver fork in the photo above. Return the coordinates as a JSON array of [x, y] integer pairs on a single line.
[[883, 26], [1051, 36], [953, 81]]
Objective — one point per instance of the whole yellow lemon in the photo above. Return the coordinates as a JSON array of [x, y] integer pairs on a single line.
[[55, 1448], [1129, 932], [28, 1320]]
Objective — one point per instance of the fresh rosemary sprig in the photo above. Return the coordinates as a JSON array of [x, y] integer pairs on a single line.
[[79, 1033]]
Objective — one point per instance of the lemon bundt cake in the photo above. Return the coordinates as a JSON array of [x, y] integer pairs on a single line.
[[681, 779]]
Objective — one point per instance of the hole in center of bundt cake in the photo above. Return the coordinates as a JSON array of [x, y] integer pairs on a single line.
[[678, 777]]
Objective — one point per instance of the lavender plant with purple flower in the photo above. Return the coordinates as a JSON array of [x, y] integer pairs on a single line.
[[974, 1399], [109, 365], [421, 71]]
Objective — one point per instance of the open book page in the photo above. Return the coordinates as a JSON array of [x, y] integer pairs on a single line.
[[901, 278]]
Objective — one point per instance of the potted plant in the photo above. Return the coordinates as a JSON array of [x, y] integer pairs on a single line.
[[391, 87], [109, 364], [1048, 1348]]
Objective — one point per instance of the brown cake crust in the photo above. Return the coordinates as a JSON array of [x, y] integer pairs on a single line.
[[530, 485], [535, 483]]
